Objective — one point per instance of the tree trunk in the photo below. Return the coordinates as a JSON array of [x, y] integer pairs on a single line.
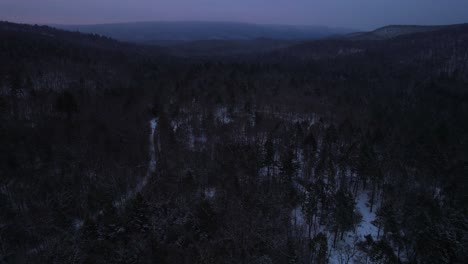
[[334, 238], [372, 198], [313, 223]]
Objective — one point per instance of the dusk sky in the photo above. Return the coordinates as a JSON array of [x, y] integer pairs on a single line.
[[357, 14]]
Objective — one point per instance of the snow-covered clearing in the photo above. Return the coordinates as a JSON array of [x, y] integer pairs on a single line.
[[365, 227], [345, 250]]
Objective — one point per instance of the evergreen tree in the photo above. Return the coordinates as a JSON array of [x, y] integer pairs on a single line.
[[269, 154], [139, 220], [288, 167], [344, 212], [310, 207], [66, 103], [319, 246]]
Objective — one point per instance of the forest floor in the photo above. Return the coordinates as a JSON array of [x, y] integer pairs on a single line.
[[345, 250]]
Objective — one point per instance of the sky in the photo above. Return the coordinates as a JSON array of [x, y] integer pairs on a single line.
[[356, 14]]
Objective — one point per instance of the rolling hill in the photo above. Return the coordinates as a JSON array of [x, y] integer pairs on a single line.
[[147, 32], [392, 31]]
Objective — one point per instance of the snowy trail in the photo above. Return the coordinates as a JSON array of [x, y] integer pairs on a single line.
[[152, 154], [78, 223], [151, 167]]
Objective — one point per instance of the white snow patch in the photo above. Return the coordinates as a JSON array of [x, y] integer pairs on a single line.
[[297, 218], [152, 150], [222, 115], [345, 250], [175, 125], [210, 193], [77, 224], [365, 227]]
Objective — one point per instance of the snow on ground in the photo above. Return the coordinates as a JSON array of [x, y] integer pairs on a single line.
[[365, 227], [152, 161], [298, 222], [222, 115], [301, 162], [78, 223], [263, 172], [175, 124], [290, 117], [210, 192], [152, 150], [196, 142], [297, 218], [151, 167], [345, 250]]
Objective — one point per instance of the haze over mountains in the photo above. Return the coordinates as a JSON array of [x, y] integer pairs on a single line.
[[393, 31], [150, 32], [192, 38]]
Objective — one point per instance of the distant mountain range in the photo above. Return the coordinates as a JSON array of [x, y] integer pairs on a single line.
[[400, 45], [155, 32], [171, 38], [393, 31]]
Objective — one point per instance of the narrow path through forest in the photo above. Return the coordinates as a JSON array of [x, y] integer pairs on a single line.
[[141, 183], [151, 167]]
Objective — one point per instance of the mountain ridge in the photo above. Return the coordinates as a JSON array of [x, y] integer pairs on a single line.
[[144, 32], [392, 31]]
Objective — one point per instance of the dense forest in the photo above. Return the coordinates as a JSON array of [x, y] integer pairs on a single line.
[[330, 151]]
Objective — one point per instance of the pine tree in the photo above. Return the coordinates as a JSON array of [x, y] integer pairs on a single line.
[[288, 167], [319, 247], [139, 220], [66, 103], [344, 212], [309, 207], [269, 154]]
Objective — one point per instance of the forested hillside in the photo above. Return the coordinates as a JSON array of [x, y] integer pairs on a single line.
[[332, 151], [148, 32]]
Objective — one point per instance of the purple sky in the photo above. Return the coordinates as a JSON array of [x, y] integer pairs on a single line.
[[358, 14]]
